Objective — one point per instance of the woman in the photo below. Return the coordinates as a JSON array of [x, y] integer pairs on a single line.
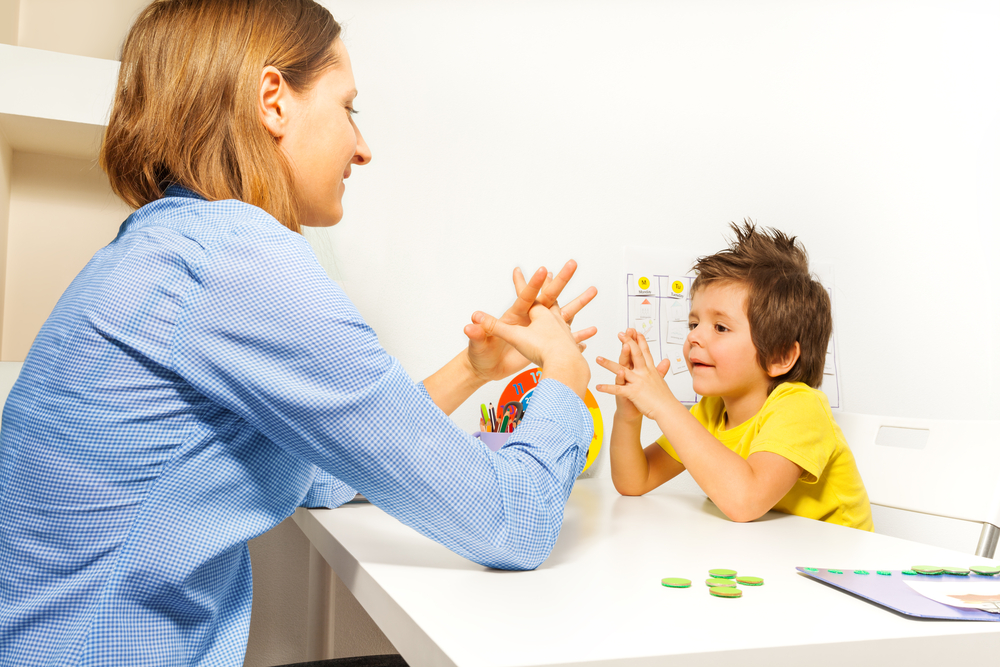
[[202, 377]]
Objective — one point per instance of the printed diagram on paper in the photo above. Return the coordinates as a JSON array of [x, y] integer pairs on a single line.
[[657, 303]]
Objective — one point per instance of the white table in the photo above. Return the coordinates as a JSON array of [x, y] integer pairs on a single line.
[[597, 600]]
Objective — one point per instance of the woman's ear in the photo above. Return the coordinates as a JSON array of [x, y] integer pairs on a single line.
[[784, 363], [273, 101]]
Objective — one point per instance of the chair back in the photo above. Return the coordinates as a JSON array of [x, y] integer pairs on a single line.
[[947, 468]]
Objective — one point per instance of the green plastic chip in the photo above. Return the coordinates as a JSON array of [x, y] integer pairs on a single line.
[[884, 573], [723, 574], [811, 569], [715, 581], [750, 581], [927, 569], [725, 592], [909, 572], [861, 572], [985, 570], [957, 571], [835, 571], [676, 582]]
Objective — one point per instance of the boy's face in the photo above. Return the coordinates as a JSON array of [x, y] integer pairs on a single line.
[[719, 350]]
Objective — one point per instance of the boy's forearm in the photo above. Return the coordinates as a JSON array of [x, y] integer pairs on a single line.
[[629, 467], [722, 474]]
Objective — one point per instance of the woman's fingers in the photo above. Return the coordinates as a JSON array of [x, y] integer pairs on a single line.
[[492, 326], [554, 287], [519, 281], [570, 310], [584, 334], [527, 292], [474, 332]]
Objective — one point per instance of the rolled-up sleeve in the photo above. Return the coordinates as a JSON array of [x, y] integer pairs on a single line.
[[266, 335]]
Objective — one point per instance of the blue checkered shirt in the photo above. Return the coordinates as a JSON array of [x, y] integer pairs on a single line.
[[197, 381]]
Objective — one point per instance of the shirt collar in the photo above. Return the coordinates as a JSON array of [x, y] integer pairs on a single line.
[[174, 190]]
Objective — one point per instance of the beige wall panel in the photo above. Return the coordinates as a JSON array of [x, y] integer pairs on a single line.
[[55, 25], [8, 21], [354, 631], [279, 630], [6, 172], [61, 212]]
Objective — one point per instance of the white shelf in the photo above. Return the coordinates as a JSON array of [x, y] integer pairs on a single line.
[[56, 103]]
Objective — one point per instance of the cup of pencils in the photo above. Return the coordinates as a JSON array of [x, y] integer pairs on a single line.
[[496, 425]]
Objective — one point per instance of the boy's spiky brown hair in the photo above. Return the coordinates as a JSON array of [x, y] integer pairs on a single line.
[[784, 302]]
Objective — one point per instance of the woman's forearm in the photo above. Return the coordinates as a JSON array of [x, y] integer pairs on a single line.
[[453, 384]]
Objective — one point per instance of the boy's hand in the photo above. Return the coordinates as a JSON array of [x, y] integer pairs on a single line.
[[638, 381], [624, 408]]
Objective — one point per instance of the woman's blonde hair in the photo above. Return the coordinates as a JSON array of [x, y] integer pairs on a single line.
[[185, 109]]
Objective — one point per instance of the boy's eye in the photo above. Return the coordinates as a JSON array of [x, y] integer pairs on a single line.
[[692, 326], [352, 111], [721, 328]]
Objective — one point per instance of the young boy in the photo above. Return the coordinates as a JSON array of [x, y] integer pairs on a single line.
[[762, 437]]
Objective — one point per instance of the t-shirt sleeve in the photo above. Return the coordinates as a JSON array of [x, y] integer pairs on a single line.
[[797, 427], [266, 335]]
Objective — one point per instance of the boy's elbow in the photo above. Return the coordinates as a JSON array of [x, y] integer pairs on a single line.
[[627, 489], [742, 512]]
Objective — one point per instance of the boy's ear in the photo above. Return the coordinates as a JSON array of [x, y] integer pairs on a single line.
[[784, 363]]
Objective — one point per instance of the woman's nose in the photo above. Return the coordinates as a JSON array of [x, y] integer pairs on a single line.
[[362, 154]]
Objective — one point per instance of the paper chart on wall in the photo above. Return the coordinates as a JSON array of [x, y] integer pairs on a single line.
[[658, 299]]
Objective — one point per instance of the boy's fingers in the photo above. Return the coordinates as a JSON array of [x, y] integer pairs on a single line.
[[624, 357], [644, 349], [615, 389], [608, 364], [635, 351], [584, 334], [663, 367]]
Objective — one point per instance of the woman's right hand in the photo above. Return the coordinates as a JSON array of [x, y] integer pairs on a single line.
[[493, 358], [546, 341]]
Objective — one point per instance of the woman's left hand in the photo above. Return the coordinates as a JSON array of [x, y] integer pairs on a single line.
[[493, 359]]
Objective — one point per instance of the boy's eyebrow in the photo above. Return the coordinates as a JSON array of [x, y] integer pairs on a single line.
[[711, 311]]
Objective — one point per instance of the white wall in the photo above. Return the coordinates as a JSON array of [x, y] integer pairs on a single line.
[[516, 133]]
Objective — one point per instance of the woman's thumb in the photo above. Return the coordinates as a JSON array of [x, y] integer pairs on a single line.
[[493, 327]]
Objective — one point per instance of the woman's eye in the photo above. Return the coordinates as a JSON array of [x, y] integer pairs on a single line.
[[352, 111]]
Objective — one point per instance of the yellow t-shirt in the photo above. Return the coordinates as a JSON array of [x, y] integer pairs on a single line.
[[795, 422]]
